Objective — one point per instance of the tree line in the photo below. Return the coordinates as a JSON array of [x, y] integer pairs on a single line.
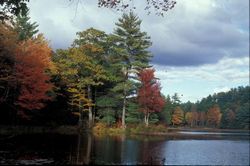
[[99, 77], [220, 110]]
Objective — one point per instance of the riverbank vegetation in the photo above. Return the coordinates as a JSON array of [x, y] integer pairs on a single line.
[[102, 81]]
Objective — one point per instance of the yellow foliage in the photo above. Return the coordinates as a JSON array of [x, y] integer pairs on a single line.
[[177, 116]]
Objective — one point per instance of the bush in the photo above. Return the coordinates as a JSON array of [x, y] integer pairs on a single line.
[[141, 128]]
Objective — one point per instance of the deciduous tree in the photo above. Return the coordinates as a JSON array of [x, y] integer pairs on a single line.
[[33, 59], [149, 96], [214, 116], [178, 116]]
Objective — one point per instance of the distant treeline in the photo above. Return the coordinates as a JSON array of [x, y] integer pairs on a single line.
[[222, 110]]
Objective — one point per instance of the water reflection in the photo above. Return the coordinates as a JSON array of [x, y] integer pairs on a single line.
[[81, 152], [144, 150], [86, 149]]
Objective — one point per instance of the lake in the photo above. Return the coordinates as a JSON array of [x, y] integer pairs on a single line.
[[228, 149]]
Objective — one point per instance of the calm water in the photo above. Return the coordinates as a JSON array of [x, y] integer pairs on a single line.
[[87, 149]]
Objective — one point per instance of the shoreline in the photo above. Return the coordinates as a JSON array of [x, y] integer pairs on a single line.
[[73, 130], [205, 129]]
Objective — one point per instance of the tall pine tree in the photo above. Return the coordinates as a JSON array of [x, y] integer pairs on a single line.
[[133, 45], [24, 28]]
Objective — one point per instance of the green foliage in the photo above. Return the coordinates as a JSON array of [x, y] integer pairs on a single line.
[[132, 42], [106, 107], [24, 28], [231, 104], [243, 116], [132, 115], [165, 116], [12, 7], [153, 119]]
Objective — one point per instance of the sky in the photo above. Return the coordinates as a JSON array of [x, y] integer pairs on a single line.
[[200, 47]]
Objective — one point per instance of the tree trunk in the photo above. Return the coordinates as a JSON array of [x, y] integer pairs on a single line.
[[124, 99], [80, 115], [94, 107], [90, 107], [146, 119], [124, 109], [89, 145]]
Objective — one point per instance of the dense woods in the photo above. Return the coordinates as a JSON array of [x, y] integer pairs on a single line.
[[101, 78]]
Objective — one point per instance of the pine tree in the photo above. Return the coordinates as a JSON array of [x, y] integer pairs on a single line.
[[133, 45], [24, 28]]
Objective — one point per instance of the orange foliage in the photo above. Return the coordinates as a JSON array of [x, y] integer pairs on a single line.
[[33, 58], [149, 95], [214, 116], [177, 116]]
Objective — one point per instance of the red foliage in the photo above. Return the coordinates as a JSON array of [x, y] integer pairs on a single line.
[[149, 96], [33, 58]]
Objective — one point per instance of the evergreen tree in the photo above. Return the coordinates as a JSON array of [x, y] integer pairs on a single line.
[[133, 45], [24, 27]]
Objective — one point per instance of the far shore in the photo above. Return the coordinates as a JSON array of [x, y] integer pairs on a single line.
[[206, 129]]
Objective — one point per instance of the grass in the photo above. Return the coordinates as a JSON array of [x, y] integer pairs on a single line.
[[103, 129]]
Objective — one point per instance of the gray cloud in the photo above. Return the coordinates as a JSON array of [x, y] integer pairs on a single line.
[[196, 36], [192, 34]]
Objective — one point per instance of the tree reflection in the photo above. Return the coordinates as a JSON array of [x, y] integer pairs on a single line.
[[81, 153]]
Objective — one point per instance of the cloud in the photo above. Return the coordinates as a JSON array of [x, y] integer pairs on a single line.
[[196, 82], [193, 33], [200, 47], [221, 89], [200, 32]]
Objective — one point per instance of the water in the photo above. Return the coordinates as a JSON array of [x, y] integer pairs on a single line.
[[213, 133], [130, 150]]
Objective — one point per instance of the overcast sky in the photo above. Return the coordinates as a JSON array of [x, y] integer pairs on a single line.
[[200, 47]]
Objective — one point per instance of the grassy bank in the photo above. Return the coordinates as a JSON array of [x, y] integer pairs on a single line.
[[102, 129]]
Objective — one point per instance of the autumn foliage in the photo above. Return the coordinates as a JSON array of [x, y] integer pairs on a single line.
[[149, 96], [8, 45], [33, 58], [214, 116], [178, 116]]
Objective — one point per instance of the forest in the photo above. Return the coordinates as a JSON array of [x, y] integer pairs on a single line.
[[101, 78]]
